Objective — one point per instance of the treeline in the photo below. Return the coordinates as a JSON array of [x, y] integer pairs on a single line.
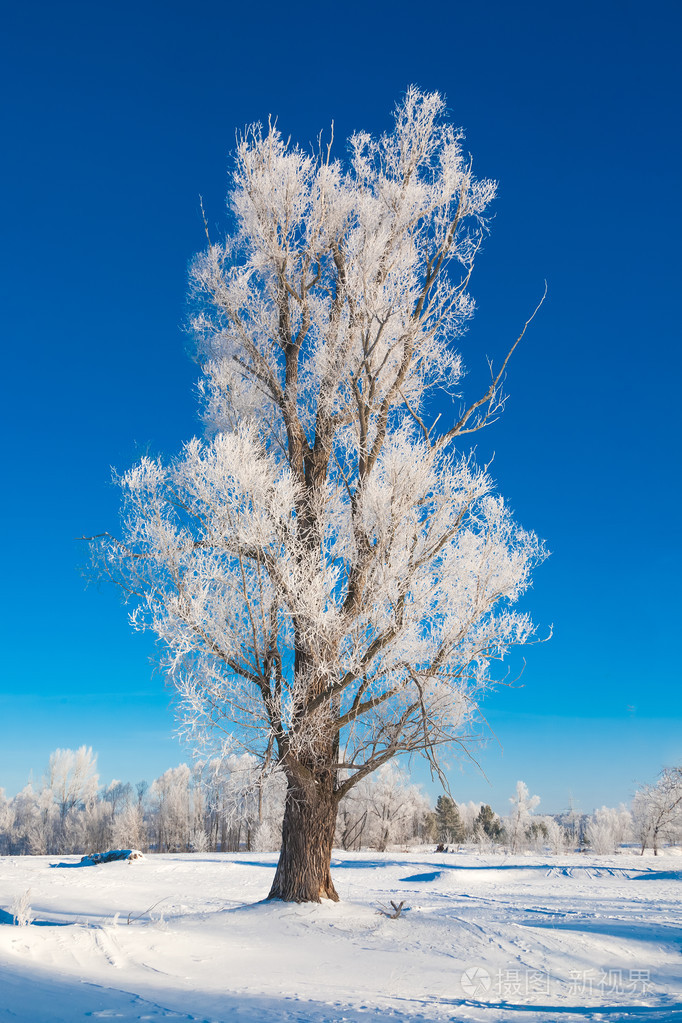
[[222, 804], [228, 804]]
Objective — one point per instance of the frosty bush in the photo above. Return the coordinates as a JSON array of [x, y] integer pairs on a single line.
[[21, 909]]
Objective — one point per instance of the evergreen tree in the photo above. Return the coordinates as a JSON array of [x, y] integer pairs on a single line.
[[450, 827], [489, 821]]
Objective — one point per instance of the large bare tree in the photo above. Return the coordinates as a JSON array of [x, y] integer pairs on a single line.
[[330, 576]]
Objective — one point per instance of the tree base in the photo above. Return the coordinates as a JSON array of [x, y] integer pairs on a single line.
[[303, 872]]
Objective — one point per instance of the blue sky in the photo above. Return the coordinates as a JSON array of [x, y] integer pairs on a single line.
[[116, 117]]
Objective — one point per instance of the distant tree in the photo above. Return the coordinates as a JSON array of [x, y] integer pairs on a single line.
[[71, 781], [71, 777], [519, 822], [382, 809], [117, 795], [489, 822], [448, 820], [537, 833], [657, 809], [31, 823], [171, 801], [574, 823], [267, 835], [239, 801], [330, 575], [607, 829], [129, 831], [468, 813], [558, 837], [394, 805], [351, 819], [6, 823]]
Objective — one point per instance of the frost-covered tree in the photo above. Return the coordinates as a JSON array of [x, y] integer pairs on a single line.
[[351, 818], [556, 834], [118, 795], [383, 809], [71, 783], [607, 829], [330, 573], [468, 813], [71, 777], [272, 790], [518, 825], [243, 805], [128, 830], [171, 801], [33, 821], [6, 823], [657, 809]]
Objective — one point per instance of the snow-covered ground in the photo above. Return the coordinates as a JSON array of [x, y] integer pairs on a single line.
[[482, 938]]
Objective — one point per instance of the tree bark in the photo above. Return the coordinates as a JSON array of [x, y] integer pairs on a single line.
[[303, 871]]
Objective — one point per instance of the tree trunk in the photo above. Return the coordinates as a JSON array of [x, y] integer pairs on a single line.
[[303, 873]]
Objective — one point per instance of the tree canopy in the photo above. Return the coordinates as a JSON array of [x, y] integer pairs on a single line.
[[330, 575]]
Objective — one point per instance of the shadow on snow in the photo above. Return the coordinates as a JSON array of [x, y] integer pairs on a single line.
[[8, 918]]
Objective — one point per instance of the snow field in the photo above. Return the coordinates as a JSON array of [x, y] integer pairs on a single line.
[[481, 938]]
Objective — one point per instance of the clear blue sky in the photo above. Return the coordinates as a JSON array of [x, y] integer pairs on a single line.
[[117, 116]]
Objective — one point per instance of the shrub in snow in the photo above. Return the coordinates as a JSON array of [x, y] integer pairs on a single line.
[[21, 909]]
